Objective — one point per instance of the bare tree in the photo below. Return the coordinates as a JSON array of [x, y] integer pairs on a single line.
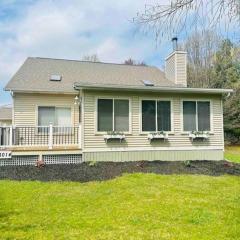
[[131, 61], [91, 58], [201, 48], [182, 15]]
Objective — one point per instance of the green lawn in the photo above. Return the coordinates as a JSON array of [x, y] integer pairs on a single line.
[[232, 153], [135, 206]]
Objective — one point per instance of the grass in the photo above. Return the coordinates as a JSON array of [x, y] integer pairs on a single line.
[[232, 153], [134, 206]]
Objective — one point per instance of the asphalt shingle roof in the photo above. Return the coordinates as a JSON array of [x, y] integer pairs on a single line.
[[35, 73]]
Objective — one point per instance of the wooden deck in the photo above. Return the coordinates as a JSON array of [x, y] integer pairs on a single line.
[[32, 140], [37, 150]]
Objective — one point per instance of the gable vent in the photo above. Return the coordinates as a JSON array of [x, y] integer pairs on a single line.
[[147, 83], [55, 78]]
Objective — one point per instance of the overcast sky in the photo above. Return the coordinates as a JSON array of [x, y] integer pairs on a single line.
[[71, 29]]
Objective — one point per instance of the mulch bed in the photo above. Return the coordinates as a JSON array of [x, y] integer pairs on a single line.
[[99, 171]]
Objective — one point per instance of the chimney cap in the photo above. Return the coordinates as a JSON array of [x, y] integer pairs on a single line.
[[175, 43]]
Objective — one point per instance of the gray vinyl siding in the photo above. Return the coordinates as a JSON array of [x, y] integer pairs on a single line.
[[126, 156], [94, 141]]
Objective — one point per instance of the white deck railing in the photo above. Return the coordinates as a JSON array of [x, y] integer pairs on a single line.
[[50, 136], [5, 136]]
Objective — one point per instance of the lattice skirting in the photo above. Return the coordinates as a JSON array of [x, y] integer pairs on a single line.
[[19, 161], [60, 159], [48, 159]]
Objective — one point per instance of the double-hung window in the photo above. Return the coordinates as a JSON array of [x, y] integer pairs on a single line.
[[156, 115], [113, 115], [196, 116], [58, 116]]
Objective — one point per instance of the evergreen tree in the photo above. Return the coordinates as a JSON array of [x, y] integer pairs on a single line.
[[226, 74], [221, 70]]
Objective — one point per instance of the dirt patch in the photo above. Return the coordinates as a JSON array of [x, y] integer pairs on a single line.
[[85, 172]]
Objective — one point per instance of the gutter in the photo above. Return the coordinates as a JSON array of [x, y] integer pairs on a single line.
[[42, 92], [82, 86]]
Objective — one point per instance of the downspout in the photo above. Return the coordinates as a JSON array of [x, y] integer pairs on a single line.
[[81, 116]]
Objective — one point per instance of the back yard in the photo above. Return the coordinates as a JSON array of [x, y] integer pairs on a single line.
[[232, 153], [134, 206]]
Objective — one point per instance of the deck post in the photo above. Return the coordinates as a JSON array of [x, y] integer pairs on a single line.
[[11, 136], [50, 140], [80, 135]]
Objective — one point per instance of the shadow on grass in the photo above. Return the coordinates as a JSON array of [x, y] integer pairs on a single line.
[[6, 215], [100, 171], [6, 226], [14, 228]]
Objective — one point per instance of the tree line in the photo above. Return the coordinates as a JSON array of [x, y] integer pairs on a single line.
[[214, 62]]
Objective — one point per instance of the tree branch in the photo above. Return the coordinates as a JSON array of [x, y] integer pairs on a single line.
[[180, 15]]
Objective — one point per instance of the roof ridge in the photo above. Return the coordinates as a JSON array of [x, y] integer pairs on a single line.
[[83, 61]]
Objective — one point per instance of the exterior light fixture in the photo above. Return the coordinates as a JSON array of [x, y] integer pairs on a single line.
[[76, 100]]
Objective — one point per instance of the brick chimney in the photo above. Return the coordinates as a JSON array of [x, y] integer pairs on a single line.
[[176, 65]]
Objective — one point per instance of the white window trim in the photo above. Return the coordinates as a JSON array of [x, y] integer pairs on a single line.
[[56, 106], [156, 100], [197, 100], [129, 132]]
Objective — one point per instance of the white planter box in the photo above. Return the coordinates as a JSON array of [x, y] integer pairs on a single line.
[[114, 137], [152, 136], [199, 136]]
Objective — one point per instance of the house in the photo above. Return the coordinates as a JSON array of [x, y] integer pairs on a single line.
[[5, 115], [71, 111]]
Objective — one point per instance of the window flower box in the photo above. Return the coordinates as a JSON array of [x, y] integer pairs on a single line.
[[157, 136], [114, 136], [194, 135]]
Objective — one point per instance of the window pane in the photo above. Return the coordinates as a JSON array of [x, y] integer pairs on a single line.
[[164, 115], [105, 114], [121, 115], [63, 117], [204, 116], [148, 115], [46, 115], [189, 116]]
